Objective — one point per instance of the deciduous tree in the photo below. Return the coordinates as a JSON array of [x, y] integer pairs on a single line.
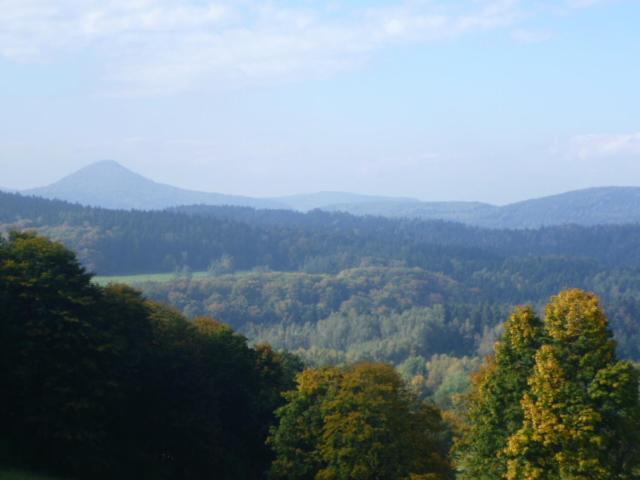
[[581, 410], [358, 422], [493, 407]]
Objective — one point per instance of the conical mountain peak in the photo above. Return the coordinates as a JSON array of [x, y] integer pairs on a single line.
[[109, 184]]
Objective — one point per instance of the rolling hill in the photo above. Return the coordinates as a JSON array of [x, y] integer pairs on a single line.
[[108, 184], [592, 206], [326, 200], [464, 212]]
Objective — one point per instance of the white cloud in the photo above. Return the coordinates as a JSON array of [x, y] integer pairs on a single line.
[[605, 145], [158, 46]]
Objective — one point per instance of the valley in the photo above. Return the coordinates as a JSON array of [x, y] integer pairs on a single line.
[[344, 240]]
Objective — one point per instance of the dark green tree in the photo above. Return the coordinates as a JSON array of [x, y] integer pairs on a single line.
[[493, 409], [51, 376], [101, 383]]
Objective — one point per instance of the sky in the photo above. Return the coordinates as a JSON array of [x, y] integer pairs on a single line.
[[487, 100]]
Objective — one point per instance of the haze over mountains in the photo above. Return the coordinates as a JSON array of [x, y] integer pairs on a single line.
[[110, 185], [328, 200], [591, 206]]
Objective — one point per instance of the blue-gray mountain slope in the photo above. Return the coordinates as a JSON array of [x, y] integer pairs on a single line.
[[592, 206], [108, 184]]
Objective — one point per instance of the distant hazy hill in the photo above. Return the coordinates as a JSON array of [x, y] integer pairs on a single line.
[[326, 200], [465, 212], [110, 185], [592, 206]]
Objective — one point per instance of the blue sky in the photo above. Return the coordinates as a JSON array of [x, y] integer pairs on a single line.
[[491, 100]]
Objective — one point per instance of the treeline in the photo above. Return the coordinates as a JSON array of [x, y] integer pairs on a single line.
[[101, 383], [122, 242], [611, 245], [293, 279]]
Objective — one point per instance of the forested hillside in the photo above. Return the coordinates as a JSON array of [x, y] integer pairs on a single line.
[[319, 240], [338, 287], [120, 242], [590, 206], [102, 383], [392, 314]]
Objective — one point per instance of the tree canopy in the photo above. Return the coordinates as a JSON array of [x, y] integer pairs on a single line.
[[101, 383], [494, 411], [357, 422], [554, 403]]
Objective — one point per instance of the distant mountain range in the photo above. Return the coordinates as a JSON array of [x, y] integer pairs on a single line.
[[326, 200], [592, 206], [110, 185]]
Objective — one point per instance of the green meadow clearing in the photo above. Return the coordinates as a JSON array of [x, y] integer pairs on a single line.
[[143, 278]]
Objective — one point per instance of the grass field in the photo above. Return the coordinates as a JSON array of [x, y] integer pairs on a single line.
[[142, 278], [21, 475], [169, 277]]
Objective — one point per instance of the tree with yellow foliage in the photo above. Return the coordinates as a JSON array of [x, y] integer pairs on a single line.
[[581, 414], [358, 423]]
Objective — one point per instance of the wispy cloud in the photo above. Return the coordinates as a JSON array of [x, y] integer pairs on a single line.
[[158, 46], [605, 145]]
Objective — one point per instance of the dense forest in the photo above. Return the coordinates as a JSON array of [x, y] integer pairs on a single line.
[[99, 382], [349, 240], [427, 296], [127, 242], [102, 383], [433, 328]]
